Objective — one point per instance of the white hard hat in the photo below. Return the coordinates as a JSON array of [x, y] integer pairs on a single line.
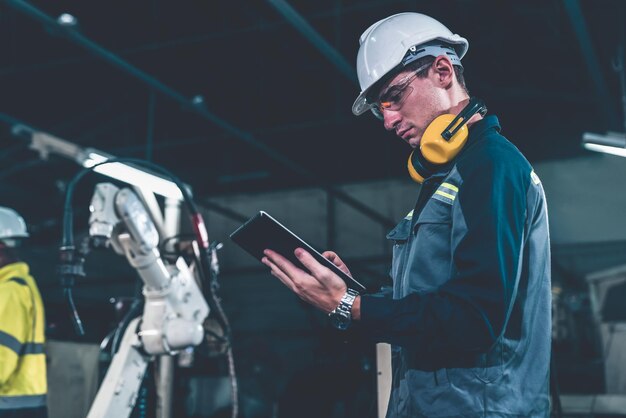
[[12, 225], [401, 39]]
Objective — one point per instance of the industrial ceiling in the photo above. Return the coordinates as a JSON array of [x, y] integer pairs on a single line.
[[247, 96]]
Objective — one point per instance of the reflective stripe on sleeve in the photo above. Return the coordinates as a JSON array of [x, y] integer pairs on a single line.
[[32, 348], [535, 177], [450, 186], [10, 342], [24, 401], [17, 347], [444, 194]]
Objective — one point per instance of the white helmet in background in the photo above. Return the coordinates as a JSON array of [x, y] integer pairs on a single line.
[[12, 225], [401, 39]]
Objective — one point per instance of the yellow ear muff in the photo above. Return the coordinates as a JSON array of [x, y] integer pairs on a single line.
[[435, 148], [413, 167], [443, 139]]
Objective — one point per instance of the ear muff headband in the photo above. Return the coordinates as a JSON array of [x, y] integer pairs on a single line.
[[442, 140]]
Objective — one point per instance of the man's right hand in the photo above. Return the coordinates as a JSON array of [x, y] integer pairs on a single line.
[[336, 260]]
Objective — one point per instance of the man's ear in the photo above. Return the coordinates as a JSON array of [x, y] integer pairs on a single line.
[[444, 70]]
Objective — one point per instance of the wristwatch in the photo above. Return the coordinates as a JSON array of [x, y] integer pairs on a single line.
[[341, 316]]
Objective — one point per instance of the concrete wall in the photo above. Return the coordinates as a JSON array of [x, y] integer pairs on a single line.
[[586, 198], [305, 212], [586, 202]]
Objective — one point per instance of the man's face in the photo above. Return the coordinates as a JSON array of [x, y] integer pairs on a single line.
[[422, 101]]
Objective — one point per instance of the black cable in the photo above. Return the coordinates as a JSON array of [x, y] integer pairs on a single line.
[[554, 389], [69, 269], [177, 236], [123, 324], [219, 338], [78, 324], [216, 305], [107, 340], [165, 241]]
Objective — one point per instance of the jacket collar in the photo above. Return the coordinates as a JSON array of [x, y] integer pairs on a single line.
[[479, 128], [19, 269]]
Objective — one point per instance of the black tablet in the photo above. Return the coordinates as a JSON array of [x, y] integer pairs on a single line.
[[264, 232]]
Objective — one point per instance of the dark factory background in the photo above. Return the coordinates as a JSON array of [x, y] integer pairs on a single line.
[[248, 102]]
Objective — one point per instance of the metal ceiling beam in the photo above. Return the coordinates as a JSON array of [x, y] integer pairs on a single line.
[[191, 105], [189, 40], [603, 98], [302, 26]]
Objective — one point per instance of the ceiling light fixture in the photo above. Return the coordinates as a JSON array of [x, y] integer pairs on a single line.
[[46, 144], [610, 143]]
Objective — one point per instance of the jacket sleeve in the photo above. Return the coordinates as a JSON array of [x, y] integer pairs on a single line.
[[14, 329], [468, 312]]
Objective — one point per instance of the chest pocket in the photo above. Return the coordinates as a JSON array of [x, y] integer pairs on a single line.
[[430, 256], [438, 209]]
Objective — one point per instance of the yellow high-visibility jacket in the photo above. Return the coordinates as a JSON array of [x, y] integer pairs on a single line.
[[22, 358]]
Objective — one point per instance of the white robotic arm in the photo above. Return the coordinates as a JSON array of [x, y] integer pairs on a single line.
[[174, 309]]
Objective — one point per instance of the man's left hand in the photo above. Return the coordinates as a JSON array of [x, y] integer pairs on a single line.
[[319, 286]]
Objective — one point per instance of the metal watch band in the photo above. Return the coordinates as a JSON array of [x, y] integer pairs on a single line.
[[345, 305]]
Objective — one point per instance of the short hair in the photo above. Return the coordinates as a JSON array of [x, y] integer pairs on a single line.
[[413, 66], [428, 61]]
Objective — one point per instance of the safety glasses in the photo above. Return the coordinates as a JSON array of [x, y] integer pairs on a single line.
[[394, 96]]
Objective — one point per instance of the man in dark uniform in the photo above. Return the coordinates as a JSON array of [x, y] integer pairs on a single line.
[[469, 317]]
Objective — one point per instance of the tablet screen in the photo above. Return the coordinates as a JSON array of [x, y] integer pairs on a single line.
[[264, 232]]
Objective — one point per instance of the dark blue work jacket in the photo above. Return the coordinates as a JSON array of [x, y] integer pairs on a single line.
[[470, 317]]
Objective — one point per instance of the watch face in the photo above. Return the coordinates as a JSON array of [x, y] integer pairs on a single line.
[[340, 321]]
